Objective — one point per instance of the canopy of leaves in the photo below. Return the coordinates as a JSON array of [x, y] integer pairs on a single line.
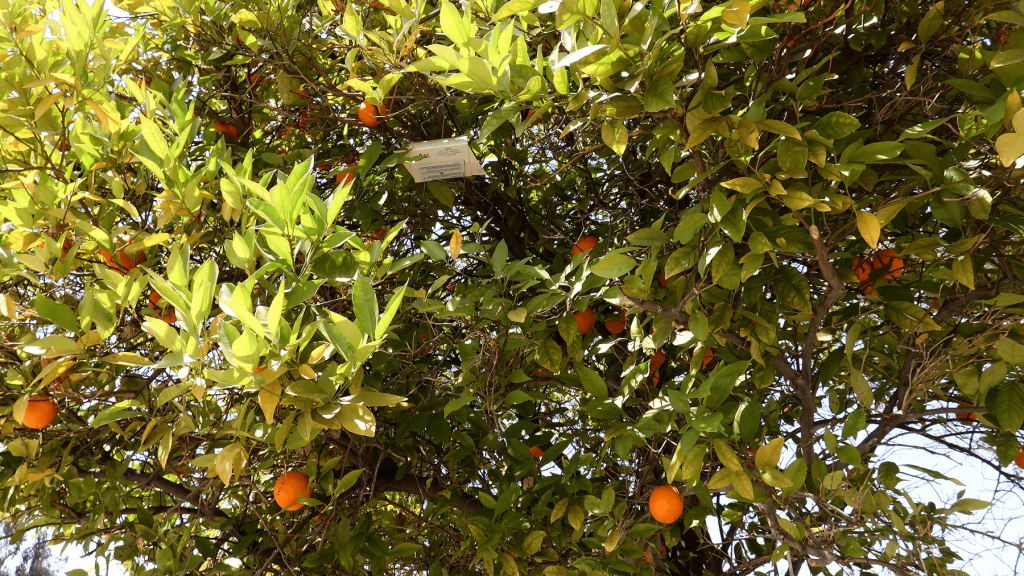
[[812, 208]]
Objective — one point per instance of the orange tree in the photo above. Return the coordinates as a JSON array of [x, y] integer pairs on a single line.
[[811, 208]]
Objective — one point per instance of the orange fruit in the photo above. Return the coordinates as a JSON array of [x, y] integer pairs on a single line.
[[657, 360], [383, 109], [155, 299], [666, 504], [40, 412], [584, 244], [531, 114], [125, 263], [289, 487], [585, 320], [229, 130], [889, 261], [1020, 459], [170, 316], [368, 114], [709, 355], [344, 177], [663, 281], [615, 326], [862, 268], [537, 451]]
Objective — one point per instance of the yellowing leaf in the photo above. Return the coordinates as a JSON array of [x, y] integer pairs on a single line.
[[270, 395], [737, 14], [869, 227], [768, 455], [1010, 147], [456, 244]]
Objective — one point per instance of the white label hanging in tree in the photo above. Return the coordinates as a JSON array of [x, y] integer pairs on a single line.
[[445, 159]]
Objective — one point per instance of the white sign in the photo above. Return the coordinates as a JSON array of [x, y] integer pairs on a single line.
[[445, 159]]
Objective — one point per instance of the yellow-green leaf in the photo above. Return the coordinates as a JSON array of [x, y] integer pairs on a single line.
[[869, 227]]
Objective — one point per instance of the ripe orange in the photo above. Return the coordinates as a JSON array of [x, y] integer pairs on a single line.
[[229, 130], [709, 355], [125, 263], [40, 412], [155, 300], [289, 487], [1020, 459], [862, 268], [585, 320], [657, 359], [537, 451], [383, 109], [889, 261], [368, 114], [663, 281], [344, 177], [531, 114], [666, 504], [615, 326], [169, 316], [584, 244]]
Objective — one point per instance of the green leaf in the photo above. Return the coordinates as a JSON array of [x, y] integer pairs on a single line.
[[592, 381], [533, 542], [648, 237], [498, 117], [347, 481], [613, 266], [453, 25], [792, 288], [1008, 404], [615, 135], [688, 226], [779, 127], [660, 95], [389, 313], [969, 505], [514, 7], [1007, 57], [549, 355], [364, 301], [60, 314], [835, 125], [1010, 351], [877, 152]]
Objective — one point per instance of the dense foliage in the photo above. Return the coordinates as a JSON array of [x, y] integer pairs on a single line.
[[811, 208]]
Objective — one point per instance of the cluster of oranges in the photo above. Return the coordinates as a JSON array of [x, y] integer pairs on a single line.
[[888, 261]]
